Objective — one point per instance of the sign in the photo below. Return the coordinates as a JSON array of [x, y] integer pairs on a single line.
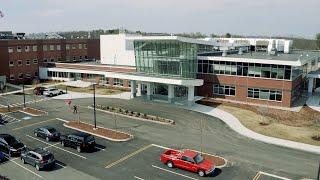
[[68, 101]]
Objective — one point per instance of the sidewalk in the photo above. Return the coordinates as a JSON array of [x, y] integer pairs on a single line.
[[77, 95], [235, 124], [31, 88]]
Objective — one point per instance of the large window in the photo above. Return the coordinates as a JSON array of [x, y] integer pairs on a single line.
[[117, 82], [265, 94], [247, 69], [224, 90]]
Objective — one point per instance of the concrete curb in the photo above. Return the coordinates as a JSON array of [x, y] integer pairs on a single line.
[[237, 126], [134, 117], [34, 115], [107, 138]]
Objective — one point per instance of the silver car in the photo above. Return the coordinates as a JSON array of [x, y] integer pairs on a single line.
[[39, 158]]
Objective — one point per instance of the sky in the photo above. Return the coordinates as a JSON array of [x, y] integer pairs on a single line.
[[244, 17]]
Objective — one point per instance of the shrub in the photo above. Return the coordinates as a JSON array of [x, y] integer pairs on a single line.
[[108, 107], [104, 107]]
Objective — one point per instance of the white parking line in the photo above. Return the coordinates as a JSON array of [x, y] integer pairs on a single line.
[[60, 165], [11, 160], [174, 172], [51, 145], [101, 149], [272, 175], [56, 147], [138, 178], [59, 119]]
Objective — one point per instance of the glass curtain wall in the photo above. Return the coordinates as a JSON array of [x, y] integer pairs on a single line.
[[166, 58]]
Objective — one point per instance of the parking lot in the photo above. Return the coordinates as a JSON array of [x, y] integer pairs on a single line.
[[135, 159]]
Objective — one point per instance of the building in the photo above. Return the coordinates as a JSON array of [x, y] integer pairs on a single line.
[[21, 58], [176, 68]]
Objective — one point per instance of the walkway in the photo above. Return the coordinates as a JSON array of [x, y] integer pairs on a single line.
[[235, 124], [314, 102]]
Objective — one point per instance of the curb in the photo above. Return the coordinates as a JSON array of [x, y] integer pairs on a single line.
[[133, 117], [94, 134], [34, 115]]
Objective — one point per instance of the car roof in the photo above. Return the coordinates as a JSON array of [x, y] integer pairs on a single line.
[[41, 151], [5, 135], [47, 127], [189, 153], [81, 134]]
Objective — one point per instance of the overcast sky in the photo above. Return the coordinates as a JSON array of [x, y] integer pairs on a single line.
[[245, 17]]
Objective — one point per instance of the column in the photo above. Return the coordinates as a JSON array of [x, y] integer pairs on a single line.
[[139, 89], [133, 88], [310, 85], [149, 91], [190, 95], [170, 93]]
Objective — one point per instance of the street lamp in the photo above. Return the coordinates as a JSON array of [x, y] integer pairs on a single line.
[[94, 106], [24, 96]]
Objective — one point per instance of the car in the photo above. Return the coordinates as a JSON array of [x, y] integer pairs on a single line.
[[2, 157], [2, 121], [39, 158], [48, 133], [187, 160], [39, 90], [52, 92], [10, 146], [79, 140]]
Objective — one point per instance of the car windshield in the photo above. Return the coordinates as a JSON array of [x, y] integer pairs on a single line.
[[198, 158], [11, 140], [52, 130]]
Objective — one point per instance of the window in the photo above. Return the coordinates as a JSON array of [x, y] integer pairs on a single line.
[[51, 47], [86, 57], [35, 61], [184, 158], [67, 46], [265, 94], [19, 62], [35, 48], [20, 76], [73, 46], [80, 57], [74, 58], [80, 46], [28, 62], [67, 58], [52, 60], [59, 59], [12, 77], [10, 49], [117, 82], [26, 48], [45, 60], [58, 47], [18, 48], [28, 76], [11, 63], [85, 46], [224, 90], [35, 74], [45, 48]]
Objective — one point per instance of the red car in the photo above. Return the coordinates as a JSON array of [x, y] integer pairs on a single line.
[[188, 160]]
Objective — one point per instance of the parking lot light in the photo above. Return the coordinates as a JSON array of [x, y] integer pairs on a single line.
[[24, 96], [94, 106]]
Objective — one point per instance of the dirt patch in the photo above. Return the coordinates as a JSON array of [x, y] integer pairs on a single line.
[[218, 161], [11, 109], [35, 112], [108, 133], [316, 138], [294, 126], [102, 90]]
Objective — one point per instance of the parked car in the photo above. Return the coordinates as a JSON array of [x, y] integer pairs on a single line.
[[2, 157], [39, 90], [2, 121], [48, 133], [52, 92], [187, 160], [39, 158], [10, 146], [79, 140]]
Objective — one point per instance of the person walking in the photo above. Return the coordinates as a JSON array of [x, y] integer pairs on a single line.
[[75, 109]]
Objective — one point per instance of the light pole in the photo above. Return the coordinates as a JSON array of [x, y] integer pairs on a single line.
[[318, 178], [94, 106], [24, 96]]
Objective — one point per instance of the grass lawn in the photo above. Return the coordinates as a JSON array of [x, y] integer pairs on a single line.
[[99, 90], [295, 126]]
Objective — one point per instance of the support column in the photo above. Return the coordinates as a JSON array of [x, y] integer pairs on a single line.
[[310, 85], [133, 89], [190, 95], [139, 89], [171, 93], [149, 91]]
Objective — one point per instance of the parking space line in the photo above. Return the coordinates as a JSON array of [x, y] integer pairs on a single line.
[[56, 147], [60, 165], [101, 149], [25, 168], [59, 119], [51, 145], [257, 176], [32, 124], [272, 175], [138, 178], [128, 156], [174, 172]]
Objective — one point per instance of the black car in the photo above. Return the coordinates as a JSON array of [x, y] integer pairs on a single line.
[[78, 140], [39, 158], [10, 146], [48, 133]]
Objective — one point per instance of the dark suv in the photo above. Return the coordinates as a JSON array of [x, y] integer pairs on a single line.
[[39, 158], [10, 146], [48, 133], [78, 140]]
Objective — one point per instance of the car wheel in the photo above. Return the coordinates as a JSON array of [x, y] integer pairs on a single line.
[[79, 149], [36, 134], [62, 144], [170, 164], [23, 161], [60, 92], [47, 139], [201, 173], [51, 95], [37, 167]]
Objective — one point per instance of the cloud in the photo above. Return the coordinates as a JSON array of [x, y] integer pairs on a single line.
[[49, 13]]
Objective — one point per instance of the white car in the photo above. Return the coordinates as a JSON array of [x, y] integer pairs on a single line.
[[52, 92]]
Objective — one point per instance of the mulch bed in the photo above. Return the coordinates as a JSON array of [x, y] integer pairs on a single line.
[[100, 131], [218, 161], [33, 111], [12, 109], [316, 138], [305, 117]]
